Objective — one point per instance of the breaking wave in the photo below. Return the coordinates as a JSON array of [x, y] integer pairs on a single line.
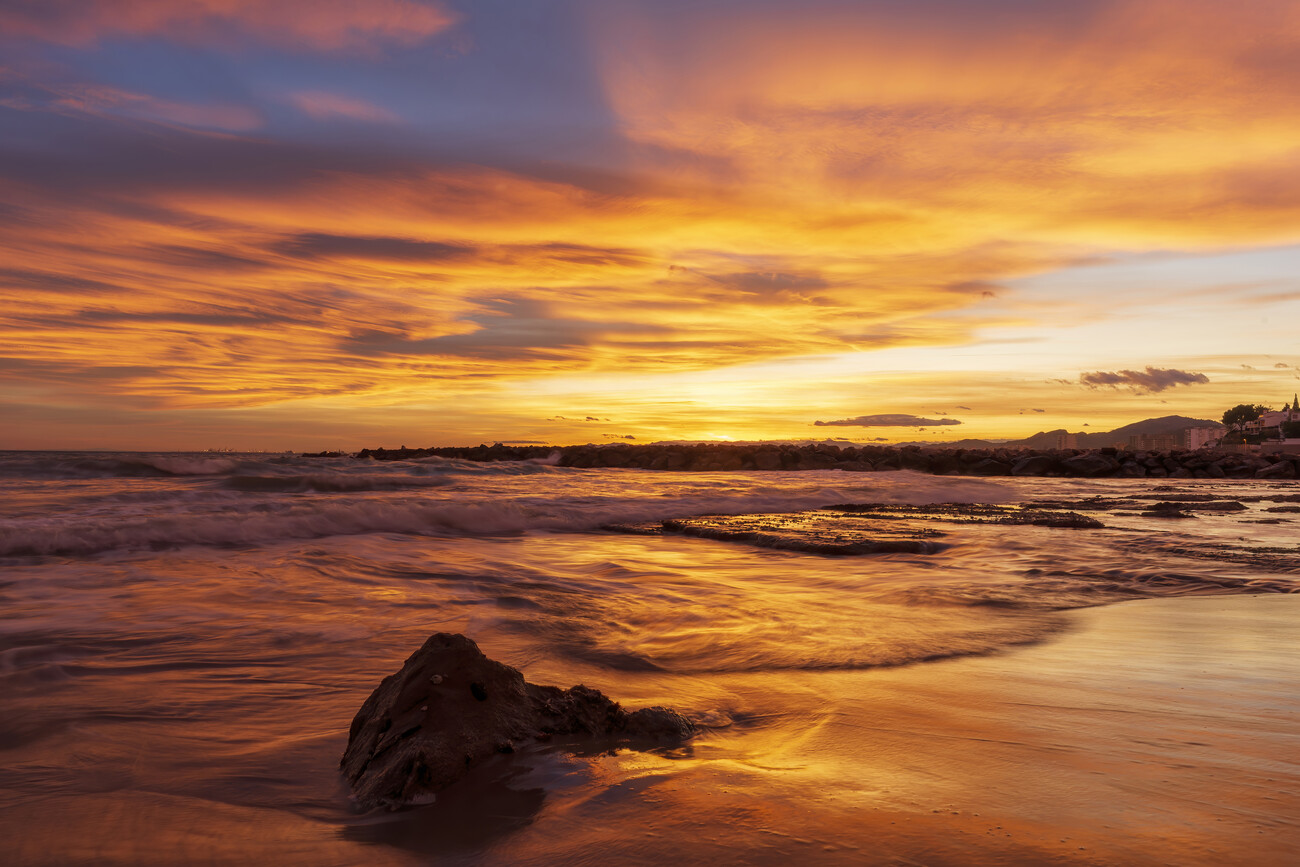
[[76, 504], [223, 522], [332, 483], [114, 466]]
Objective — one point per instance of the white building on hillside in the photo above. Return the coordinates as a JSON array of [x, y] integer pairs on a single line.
[[1275, 417]]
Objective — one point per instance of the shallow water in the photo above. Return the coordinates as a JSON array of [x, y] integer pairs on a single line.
[[185, 638]]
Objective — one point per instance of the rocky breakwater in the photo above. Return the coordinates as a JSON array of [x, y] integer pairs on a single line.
[[1094, 463], [496, 452], [725, 457], [450, 707]]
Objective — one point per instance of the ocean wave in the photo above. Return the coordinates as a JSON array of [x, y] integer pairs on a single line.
[[331, 482], [238, 527], [55, 467], [757, 641], [530, 467], [214, 521]]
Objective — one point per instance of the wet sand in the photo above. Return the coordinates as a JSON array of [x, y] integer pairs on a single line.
[[1151, 732], [1154, 732]]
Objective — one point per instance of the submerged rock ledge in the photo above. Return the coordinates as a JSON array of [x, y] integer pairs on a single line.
[[1086, 463], [450, 706]]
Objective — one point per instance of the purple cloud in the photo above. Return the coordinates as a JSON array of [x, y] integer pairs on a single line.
[[887, 420], [1147, 381]]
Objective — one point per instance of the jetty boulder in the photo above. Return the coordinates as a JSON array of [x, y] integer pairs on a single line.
[[990, 467], [450, 707], [1034, 465], [1090, 464], [1278, 470]]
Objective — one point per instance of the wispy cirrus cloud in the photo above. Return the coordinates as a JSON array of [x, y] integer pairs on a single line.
[[21, 93], [209, 201], [1150, 380], [912, 119], [321, 25], [322, 105]]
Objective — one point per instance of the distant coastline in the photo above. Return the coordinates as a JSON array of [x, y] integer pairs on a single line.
[[1110, 462]]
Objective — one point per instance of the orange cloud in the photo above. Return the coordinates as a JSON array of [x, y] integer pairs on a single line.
[[458, 279], [789, 190], [324, 25], [1129, 123]]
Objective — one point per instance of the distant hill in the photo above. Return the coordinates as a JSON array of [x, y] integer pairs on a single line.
[[957, 444], [1169, 424]]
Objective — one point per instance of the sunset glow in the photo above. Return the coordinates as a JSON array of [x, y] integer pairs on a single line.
[[332, 225]]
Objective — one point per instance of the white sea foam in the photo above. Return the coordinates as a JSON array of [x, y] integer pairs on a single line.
[[211, 521], [333, 482], [162, 501]]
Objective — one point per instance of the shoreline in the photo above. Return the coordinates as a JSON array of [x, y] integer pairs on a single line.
[[1152, 732], [1111, 462]]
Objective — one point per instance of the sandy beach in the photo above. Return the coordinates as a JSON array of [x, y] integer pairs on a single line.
[[1152, 732]]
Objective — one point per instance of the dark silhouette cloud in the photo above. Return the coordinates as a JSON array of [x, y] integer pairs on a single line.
[[1151, 380], [887, 420], [45, 281], [314, 245], [577, 254], [110, 318], [509, 329], [771, 281], [198, 257], [319, 245]]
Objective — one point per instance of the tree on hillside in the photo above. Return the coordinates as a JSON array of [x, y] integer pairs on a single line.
[[1236, 417]]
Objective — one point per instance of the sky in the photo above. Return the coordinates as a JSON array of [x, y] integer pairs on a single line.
[[319, 224]]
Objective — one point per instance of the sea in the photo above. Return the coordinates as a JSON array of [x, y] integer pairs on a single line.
[[185, 638]]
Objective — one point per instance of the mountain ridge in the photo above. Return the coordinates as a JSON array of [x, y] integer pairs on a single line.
[[1164, 425]]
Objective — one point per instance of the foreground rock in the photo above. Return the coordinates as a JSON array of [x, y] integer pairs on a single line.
[[450, 706]]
